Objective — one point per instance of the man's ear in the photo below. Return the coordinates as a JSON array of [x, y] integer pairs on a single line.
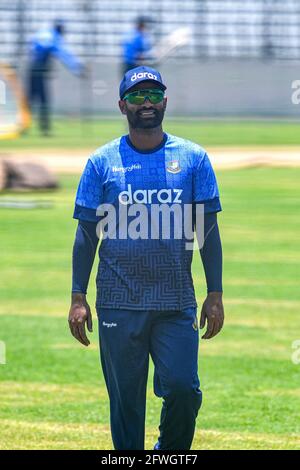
[[122, 106]]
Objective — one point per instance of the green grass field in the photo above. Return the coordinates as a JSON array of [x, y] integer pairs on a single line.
[[76, 134], [52, 390]]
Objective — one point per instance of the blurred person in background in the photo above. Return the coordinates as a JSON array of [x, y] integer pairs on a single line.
[[45, 45], [136, 45]]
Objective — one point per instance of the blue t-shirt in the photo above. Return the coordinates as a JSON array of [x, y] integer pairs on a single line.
[[146, 273], [47, 43], [135, 46]]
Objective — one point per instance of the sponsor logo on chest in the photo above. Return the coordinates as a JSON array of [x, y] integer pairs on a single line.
[[126, 169], [145, 196]]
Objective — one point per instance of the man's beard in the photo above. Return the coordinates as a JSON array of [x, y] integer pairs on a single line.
[[136, 121]]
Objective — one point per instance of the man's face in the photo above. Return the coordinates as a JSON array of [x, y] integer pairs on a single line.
[[146, 115]]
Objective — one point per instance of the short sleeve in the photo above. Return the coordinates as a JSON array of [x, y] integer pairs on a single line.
[[205, 187], [89, 193]]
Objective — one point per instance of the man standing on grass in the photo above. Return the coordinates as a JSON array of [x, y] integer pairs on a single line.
[[145, 296], [45, 45]]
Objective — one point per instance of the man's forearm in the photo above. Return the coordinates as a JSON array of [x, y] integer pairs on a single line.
[[84, 251], [211, 254]]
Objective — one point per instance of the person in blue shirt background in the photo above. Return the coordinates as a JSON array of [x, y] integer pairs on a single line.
[[146, 303], [45, 45], [136, 45]]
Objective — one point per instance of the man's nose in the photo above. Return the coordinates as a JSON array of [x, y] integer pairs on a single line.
[[147, 102]]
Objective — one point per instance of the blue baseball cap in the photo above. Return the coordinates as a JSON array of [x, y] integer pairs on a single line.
[[137, 75]]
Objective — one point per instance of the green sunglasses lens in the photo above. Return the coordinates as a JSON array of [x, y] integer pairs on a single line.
[[138, 97], [156, 97]]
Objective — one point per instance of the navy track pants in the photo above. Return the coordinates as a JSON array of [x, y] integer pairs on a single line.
[[127, 340]]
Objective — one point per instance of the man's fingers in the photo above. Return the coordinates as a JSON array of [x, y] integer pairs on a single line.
[[75, 332], [78, 331], [71, 329], [89, 322], [215, 324], [81, 330], [215, 329], [213, 315], [209, 329], [79, 315], [202, 319], [219, 323]]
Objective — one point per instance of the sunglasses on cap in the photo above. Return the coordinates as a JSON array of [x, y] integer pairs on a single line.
[[138, 97]]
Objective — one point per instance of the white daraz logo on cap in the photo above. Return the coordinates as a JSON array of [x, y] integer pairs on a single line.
[[150, 75]]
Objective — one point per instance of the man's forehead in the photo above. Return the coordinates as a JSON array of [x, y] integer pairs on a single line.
[[145, 85]]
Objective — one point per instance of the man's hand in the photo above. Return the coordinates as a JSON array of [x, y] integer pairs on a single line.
[[80, 313], [212, 312]]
